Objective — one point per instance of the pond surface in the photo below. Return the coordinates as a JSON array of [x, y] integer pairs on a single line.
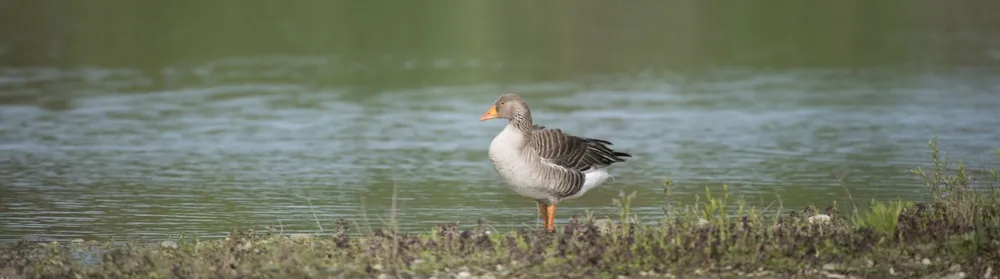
[[94, 163]]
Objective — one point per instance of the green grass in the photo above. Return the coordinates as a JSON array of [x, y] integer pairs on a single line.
[[951, 233], [883, 217]]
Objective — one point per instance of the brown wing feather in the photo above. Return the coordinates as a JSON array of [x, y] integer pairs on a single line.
[[572, 152]]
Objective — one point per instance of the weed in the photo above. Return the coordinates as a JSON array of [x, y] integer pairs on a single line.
[[883, 217]]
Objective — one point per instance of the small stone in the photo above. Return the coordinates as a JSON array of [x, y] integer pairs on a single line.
[[383, 276], [464, 274], [819, 219], [926, 261], [989, 272], [418, 261], [643, 273], [955, 268], [168, 244], [621, 277], [834, 275], [699, 271], [487, 276], [957, 275], [892, 271], [871, 263], [702, 222], [500, 268], [377, 266], [831, 266], [78, 240]]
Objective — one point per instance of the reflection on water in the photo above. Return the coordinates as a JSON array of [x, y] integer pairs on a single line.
[[94, 152]]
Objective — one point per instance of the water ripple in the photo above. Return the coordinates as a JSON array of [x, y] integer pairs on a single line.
[[204, 159]]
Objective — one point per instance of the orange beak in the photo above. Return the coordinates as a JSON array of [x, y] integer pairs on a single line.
[[490, 114]]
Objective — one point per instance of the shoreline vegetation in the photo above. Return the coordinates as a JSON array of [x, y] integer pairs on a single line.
[[953, 233]]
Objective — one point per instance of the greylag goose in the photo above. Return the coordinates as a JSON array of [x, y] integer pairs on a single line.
[[546, 164]]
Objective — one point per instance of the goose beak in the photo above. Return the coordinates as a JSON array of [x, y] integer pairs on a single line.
[[490, 114]]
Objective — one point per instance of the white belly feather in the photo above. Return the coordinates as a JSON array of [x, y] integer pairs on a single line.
[[505, 154]]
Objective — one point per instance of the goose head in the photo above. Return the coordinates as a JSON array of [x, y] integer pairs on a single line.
[[510, 107]]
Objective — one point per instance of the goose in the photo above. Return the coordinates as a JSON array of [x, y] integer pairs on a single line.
[[545, 164]]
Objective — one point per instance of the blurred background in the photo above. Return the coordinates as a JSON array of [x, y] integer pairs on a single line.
[[138, 118]]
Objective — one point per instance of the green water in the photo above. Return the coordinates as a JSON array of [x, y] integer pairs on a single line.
[[128, 118]]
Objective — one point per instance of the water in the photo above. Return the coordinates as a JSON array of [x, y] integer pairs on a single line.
[[176, 126], [204, 159]]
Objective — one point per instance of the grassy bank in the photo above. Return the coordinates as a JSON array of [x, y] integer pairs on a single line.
[[952, 234]]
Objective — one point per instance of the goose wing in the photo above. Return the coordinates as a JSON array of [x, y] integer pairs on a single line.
[[572, 152]]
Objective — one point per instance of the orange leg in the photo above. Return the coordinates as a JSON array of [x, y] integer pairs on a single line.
[[551, 218], [543, 208]]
